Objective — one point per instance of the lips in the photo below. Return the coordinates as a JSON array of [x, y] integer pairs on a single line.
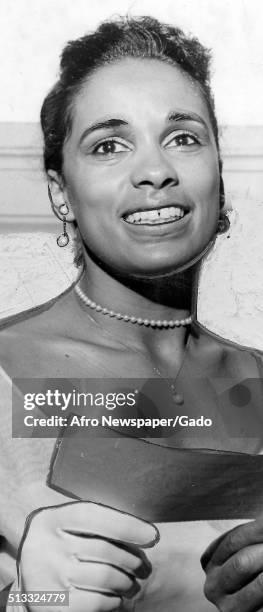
[[157, 215]]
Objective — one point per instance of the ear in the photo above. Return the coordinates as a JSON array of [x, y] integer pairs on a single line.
[[222, 200], [58, 194]]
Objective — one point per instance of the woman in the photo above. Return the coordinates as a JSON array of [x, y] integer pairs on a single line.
[[132, 158]]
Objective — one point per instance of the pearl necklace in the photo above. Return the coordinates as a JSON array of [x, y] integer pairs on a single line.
[[128, 318], [176, 397]]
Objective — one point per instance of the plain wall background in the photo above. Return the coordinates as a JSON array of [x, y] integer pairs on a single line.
[[33, 32]]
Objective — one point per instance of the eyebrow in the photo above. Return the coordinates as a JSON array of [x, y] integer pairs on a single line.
[[113, 123], [182, 116], [102, 125]]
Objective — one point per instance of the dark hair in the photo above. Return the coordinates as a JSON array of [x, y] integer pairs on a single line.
[[143, 37]]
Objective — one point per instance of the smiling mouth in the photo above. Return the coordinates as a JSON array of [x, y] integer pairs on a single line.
[[156, 216]]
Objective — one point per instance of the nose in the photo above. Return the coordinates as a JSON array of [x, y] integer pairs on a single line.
[[154, 169]]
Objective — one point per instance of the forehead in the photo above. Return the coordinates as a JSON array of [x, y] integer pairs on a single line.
[[133, 88]]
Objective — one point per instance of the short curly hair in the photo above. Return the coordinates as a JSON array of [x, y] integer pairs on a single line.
[[143, 37]]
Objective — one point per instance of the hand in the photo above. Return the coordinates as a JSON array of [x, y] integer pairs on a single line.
[[234, 567], [91, 550]]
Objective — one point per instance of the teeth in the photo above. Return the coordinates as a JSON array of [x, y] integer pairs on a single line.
[[156, 216], [152, 214], [178, 211], [165, 213]]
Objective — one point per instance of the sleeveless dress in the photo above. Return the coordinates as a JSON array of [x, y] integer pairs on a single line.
[[176, 582]]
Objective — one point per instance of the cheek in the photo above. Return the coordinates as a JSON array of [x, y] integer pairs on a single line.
[[93, 202], [205, 187], [83, 191], [88, 199], [93, 189]]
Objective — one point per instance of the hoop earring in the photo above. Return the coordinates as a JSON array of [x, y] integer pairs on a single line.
[[63, 239], [223, 224]]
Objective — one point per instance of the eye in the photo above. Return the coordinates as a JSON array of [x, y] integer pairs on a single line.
[[109, 147], [183, 140]]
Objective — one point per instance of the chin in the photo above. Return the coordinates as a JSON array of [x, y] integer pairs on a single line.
[[160, 266]]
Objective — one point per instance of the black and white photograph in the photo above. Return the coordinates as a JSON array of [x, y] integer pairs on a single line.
[[131, 306]]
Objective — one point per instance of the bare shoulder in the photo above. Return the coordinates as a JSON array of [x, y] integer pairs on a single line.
[[50, 341], [236, 358]]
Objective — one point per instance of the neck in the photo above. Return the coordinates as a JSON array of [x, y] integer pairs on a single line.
[[170, 296]]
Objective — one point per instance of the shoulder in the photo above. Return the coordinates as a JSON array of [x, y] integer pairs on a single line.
[[39, 320], [231, 358], [41, 341]]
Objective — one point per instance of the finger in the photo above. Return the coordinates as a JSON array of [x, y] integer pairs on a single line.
[[250, 597], [128, 557], [88, 518], [241, 568], [209, 551], [239, 537], [102, 577]]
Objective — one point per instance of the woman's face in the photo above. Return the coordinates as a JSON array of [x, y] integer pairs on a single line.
[[141, 167]]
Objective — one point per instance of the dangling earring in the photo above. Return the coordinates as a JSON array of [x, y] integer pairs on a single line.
[[63, 239]]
